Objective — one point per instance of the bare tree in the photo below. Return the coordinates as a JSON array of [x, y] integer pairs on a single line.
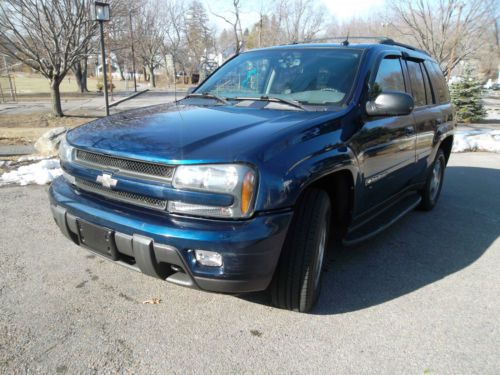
[[299, 19], [174, 34], [119, 33], [235, 23], [150, 35], [43, 35], [87, 31], [450, 30]]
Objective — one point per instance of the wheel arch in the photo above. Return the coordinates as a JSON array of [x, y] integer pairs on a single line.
[[446, 145], [339, 186]]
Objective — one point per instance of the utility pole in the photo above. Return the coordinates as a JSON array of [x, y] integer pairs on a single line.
[[132, 46], [261, 24], [457, 39]]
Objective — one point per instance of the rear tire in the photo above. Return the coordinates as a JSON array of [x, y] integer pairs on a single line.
[[297, 279], [434, 182]]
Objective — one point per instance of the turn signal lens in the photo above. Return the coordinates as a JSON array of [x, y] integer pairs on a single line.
[[247, 192]]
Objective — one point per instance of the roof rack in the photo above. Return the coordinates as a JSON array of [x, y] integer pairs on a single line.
[[379, 39], [391, 42], [345, 39]]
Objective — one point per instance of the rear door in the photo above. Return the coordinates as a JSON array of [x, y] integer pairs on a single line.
[[426, 114], [385, 145]]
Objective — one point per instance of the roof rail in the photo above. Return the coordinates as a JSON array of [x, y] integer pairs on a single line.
[[379, 39], [345, 39], [391, 42]]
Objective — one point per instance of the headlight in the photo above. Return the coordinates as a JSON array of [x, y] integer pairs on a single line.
[[235, 179], [65, 150]]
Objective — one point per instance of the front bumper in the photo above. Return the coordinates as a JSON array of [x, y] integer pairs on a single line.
[[162, 245]]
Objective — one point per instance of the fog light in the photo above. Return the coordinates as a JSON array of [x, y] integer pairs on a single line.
[[208, 258]]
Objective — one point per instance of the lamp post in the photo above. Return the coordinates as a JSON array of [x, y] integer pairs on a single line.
[[102, 15]]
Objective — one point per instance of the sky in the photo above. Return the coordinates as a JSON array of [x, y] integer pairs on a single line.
[[342, 10]]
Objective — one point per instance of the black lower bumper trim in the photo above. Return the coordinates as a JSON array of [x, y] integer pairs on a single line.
[[142, 254]]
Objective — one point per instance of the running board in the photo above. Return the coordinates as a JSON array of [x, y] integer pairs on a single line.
[[383, 220]]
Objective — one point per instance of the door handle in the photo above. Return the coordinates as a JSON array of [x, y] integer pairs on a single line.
[[409, 131]]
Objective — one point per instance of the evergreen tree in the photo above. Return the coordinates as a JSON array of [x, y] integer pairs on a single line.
[[198, 34], [466, 97]]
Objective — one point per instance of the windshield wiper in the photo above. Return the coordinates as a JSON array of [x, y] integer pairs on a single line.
[[207, 95], [275, 99]]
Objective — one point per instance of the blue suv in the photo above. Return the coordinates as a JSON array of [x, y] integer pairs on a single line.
[[242, 185]]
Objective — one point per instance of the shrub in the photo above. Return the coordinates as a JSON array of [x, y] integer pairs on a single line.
[[466, 97], [100, 85]]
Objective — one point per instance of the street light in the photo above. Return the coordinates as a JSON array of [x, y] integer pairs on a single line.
[[102, 15]]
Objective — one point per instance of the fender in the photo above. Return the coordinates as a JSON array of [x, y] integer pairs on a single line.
[[283, 191], [443, 131]]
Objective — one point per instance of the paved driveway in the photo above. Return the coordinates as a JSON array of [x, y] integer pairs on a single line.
[[423, 296], [92, 105]]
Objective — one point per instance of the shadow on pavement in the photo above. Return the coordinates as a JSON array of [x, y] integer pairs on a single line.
[[421, 249]]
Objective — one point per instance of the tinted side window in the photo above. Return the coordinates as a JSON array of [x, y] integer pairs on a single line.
[[428, 92], [438, 82], [417, 83], [389, 76]]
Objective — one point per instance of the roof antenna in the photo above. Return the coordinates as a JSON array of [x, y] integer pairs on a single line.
[[346, 41]]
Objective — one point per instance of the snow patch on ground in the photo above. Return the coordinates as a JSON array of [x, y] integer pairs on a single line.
[[33, 157], [477, 140], [39, 173]]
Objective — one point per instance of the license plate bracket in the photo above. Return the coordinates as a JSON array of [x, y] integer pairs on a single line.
[[98, 239]]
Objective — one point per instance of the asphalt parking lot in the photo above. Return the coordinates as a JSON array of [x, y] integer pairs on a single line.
[[423, 297]]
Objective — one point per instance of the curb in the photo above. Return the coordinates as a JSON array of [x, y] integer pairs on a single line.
[[16, 150], [127, 98]]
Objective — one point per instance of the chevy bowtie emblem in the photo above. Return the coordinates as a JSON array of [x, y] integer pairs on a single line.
[[107, 180]]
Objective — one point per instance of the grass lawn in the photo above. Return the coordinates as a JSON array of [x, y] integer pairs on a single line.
[[26, 129], [37, 84]]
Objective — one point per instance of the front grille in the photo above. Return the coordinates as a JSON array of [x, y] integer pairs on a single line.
[[123, 196], [125, 166]]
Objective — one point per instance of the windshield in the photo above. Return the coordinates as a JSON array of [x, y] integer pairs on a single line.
[[310, 76]]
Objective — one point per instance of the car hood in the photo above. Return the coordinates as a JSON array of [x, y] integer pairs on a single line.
[[183, 133]]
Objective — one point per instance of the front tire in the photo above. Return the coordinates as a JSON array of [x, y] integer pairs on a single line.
[[297, 279], [434, 182]]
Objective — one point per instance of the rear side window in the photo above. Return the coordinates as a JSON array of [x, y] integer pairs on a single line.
[[417, 83], [389, 76], [438, 83], [428, 92]]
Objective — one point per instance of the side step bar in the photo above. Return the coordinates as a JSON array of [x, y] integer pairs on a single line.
[[383, 220]]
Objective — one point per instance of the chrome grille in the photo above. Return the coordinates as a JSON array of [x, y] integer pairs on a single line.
[[123, 196], [125, 166]]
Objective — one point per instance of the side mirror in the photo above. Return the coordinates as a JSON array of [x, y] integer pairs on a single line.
[[390, 103], [190, 90]]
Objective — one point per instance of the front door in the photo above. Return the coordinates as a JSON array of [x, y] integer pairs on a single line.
[[385, 145]]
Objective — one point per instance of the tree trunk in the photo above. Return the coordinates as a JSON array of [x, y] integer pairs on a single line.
[[122, 73], [84, 76], [55, 96], [81, 76], [145, 73], [152, 76]]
